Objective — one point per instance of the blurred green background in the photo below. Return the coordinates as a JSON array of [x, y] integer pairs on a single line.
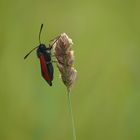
[[106, 96]]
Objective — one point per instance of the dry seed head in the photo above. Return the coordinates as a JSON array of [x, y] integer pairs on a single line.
[[65, 60]]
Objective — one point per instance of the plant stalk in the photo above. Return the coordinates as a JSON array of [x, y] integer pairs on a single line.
[[71, 114]]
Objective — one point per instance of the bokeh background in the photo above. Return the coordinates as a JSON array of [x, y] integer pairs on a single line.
[[106, 96]]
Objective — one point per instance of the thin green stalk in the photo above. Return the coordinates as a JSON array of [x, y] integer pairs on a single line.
[[71, 114]]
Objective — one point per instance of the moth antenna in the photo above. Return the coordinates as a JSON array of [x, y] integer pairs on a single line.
[[40, 33], [37, 46], [29, 52]]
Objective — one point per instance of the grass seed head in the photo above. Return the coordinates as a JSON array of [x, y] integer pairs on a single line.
[[65, 60]]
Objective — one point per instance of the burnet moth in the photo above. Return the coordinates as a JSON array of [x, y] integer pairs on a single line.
[[44, 55]]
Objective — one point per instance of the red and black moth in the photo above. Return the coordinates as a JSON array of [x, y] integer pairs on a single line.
[[44, 55]]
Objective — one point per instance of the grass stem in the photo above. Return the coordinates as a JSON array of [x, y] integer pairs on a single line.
[[71, 113]]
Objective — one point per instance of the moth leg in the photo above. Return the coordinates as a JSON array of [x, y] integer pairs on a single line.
[[52, 61], [52, 55]]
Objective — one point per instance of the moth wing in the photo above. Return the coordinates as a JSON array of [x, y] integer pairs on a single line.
[[44, 69]]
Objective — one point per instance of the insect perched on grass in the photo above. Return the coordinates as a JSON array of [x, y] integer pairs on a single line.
[[44, 55]]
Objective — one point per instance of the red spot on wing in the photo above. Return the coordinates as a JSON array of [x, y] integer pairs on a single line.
[[44, 69]]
